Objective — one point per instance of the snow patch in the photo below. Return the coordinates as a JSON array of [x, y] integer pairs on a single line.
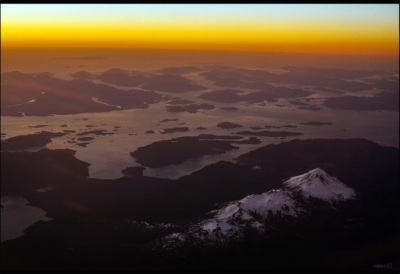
[[227, 211], [274, 200], [210, 226]]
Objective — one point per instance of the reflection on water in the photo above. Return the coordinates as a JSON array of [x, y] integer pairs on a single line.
[[189, 166], [17, 215], [109, 154]]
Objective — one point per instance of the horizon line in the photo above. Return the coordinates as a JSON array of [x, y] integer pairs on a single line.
[[202, 50]]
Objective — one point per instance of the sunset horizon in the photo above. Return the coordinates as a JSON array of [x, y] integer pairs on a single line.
[[367, 29], [250, 138]]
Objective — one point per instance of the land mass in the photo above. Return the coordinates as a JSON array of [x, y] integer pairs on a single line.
[[96, 215], [29, 141], [41, 94], [270, 133], [178, 150]]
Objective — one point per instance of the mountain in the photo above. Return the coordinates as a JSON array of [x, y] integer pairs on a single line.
[[316, 183], [353, 228], [298, 197]]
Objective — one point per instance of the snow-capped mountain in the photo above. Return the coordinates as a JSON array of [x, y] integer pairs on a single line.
[[254, 211], [317, 184]]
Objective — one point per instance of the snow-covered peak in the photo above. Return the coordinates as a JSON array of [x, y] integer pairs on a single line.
[[230, 219], [274, 201], [318, 184], [254, 211]]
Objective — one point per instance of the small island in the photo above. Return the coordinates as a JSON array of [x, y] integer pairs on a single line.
[[228, 125], [178, 150]]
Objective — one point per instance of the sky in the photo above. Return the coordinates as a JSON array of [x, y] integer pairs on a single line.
[[360, 29]]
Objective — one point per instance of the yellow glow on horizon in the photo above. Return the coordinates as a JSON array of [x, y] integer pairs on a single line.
[[273, 34]]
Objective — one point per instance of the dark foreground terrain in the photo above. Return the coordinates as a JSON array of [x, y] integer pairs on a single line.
[[115, 224]]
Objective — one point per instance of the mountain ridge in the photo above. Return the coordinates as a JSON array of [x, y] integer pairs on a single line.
[[294, 199]]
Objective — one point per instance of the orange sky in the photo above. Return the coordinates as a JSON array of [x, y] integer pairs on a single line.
[[332, 29]]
